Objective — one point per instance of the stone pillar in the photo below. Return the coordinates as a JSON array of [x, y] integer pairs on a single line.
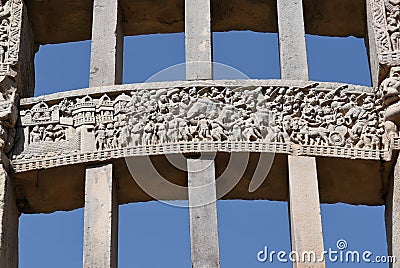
[[203, 213], [371, 46], [101, 202], [392, 216], [304, 210], [26, 67], [292, 43], [198, 40], [9, 219], [201, 173], [304, 206], [16, 77], [101, 219], [106, 60]]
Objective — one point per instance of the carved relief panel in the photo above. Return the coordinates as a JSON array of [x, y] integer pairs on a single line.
[[305, 119], [386, 23]]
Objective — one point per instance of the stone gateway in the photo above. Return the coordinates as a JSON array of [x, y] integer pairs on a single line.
[[316, 132]]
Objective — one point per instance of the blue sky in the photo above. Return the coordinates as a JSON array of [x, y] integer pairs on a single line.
[[155, 235]]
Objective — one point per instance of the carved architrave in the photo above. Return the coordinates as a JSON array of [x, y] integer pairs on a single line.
[[307, 119]]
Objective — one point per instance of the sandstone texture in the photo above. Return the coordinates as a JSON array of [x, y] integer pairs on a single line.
[[57, 21]]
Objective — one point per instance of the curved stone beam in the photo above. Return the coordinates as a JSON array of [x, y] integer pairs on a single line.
[[275, 116]]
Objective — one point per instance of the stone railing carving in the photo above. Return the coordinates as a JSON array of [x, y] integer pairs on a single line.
[[308, 118]]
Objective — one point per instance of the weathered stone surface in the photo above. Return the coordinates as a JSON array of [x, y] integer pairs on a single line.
[[203, 213], [198, 40], [14, 30], [304, 210], [9, 216], [304, 118], [107, 44], [385, 23], [63, 188], [371, 47], [101, 218], [27, 49], [292, 40], [392, 214], [57, 21]]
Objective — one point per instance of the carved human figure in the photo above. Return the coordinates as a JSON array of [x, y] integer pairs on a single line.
[[203, 128], [173, 128], [116, 134], [48, 133], [184, 131], [338, 131], [375, 139], [100, 136], [218, 132], [161, 130], [148, 132], [123, 136], [236, 133], [136, 131], [35, 135], [163, 104], [390, 95], [393, 28], [366, 138], [295, 135], [278, 132]]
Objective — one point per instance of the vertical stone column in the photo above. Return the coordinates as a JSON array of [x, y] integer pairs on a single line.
[[198, 38], [101, 202], [101, 219], [201, 173], [292, 43], [371, 45], [392, 216], [203, 213], [304, 206], [9, 219], [16, 77], [383, 45], [106, 60], [304, 210]]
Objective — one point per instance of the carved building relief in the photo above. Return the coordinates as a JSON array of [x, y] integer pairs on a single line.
[[288, 116]]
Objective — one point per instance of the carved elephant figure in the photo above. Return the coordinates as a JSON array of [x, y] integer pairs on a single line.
[[203, 106]]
